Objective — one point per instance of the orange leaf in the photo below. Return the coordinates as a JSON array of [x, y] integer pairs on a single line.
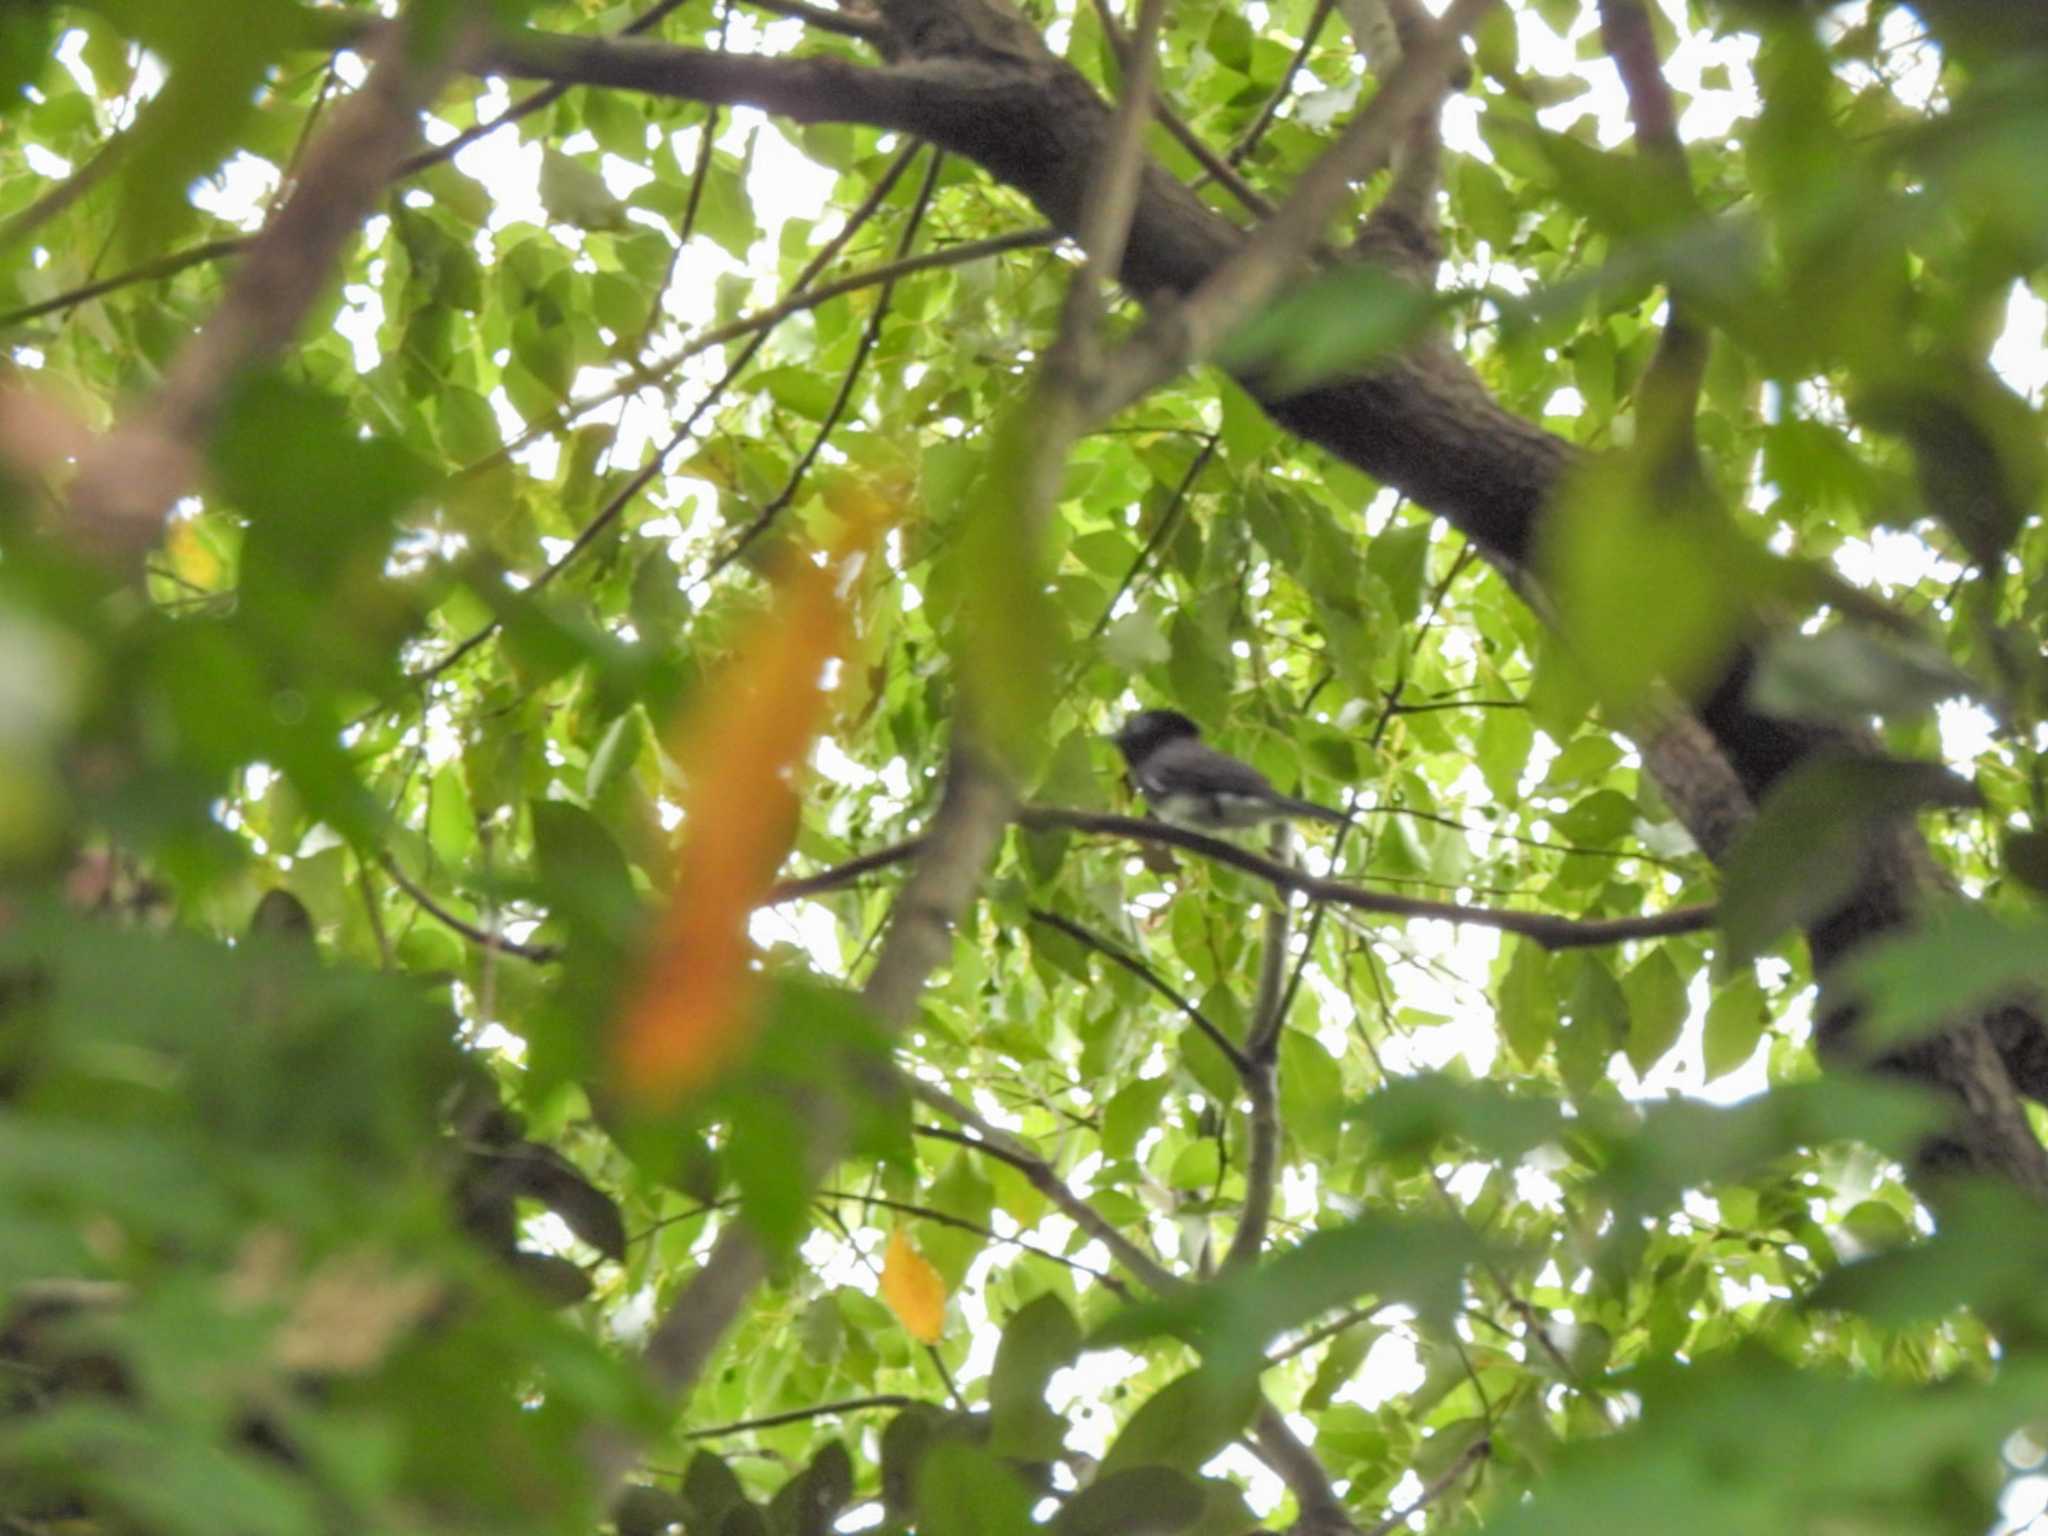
[[913, 1289], [740, 749]]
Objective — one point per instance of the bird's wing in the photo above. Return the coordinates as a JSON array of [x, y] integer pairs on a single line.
[[1190, 767]]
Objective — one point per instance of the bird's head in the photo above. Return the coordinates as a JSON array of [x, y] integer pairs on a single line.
[[1150, 729]]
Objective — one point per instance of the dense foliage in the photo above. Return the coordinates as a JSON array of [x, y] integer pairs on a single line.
[[379, 827]]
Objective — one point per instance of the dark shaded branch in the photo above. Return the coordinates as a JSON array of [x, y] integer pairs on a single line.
[[540, 954], [800, 1415], [1551, 932]]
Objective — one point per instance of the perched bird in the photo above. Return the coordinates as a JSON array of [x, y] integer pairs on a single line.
[[1188, 782]]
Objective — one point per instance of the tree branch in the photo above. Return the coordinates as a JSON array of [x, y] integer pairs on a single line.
[[801, 1415], [1551, 932], [1262, 1047]]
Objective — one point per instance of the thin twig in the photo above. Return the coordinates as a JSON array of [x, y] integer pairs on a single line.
[[842, 22], [1216, 168], [1169, 520], [1039, 1173], [926, 1213], [800, 1415], [526, 106], [149, 272], [1285, 88], [540, 954], [869, 335], [1262, 1081], [1445, 1480], [1117, 956]]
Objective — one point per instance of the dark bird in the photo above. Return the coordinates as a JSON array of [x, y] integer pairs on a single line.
[[1189, 782]]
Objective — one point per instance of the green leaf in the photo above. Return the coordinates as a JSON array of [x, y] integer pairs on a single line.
[[1140, 1498], [1599, 819], [964, 1491], [1311, 1091], [1803, 854], [1198, 1165], [1400, 557], [1597, 1026], [1848, 675], [1959, 959], [1415, 1262], [1528, 1001], [1039, 1340], [1340, 1362], [1645, 592], [1735, 1022], [575, 194], [1656, 1010], [1184, 1423], [1132, 1111], [1341, 320], [1417, 1114]]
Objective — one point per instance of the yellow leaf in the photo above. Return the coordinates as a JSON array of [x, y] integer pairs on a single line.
[[189, 555], [913, 1290]]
